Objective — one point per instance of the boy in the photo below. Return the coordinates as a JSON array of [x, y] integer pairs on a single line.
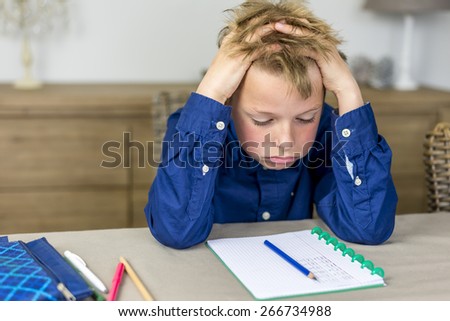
[[256, 142]]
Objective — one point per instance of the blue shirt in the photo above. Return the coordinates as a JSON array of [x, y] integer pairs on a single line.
[[205, 177]]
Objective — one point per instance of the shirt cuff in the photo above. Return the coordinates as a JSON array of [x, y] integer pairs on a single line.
[[357, 129], [204, 116]]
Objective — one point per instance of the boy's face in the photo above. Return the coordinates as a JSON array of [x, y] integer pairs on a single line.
[[274, 124]]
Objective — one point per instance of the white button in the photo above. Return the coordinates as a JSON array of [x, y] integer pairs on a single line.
[[346, 132], [205, 169], [292, 194], [358, 181], [266, 216], [220, 125]]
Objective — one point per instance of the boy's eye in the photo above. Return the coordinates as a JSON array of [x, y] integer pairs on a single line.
[[306, 121], [262, 123]]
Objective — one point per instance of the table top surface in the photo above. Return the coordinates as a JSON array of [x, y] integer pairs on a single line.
[[416, 260]]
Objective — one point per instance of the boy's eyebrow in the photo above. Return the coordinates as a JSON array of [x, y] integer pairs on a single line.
[[270, 113], [312, 109]]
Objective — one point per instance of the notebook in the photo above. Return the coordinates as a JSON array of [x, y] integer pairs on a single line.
[[266, 275]]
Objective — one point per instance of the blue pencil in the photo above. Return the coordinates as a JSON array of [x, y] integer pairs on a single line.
[[290, 260]]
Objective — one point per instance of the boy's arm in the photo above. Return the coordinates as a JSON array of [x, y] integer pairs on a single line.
[[226, 71], [179, 209], [354, 191], [356, 196]]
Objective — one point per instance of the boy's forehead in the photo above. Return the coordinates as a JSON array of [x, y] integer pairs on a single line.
[[266, 93], [262, 84]]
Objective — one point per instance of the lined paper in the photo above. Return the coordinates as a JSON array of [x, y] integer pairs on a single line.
[[268, 276]]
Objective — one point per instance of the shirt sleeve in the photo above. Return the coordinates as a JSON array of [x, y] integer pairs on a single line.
[[179, 211], [355, 193]]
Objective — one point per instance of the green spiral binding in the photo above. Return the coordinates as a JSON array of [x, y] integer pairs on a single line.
[[359, 258], [347, 251], [324, 235], [316, 230], [340, 246], [378, 271], [333, 241], [367, 264]]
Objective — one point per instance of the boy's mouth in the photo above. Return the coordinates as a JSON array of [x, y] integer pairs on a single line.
[[281, 159]]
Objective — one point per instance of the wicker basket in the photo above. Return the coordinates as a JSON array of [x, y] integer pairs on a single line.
[[164, 105], [437, 167]]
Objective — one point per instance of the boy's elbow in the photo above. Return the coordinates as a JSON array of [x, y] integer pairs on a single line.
[[382, 225], [378, 225], [177, 235], [174, 243], [369, 236], [375, 233], [379, 235], [174, 240]]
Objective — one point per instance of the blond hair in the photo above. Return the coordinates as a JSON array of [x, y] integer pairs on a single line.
[[288, 61]]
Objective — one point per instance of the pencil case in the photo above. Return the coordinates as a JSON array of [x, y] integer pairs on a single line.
[[35, 271]]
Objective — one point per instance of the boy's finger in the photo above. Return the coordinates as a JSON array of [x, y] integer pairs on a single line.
[[304, 20], [261, 32], [289, 29]]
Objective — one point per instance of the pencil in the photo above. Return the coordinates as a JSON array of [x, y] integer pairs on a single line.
[[145, 294], [290, 260]]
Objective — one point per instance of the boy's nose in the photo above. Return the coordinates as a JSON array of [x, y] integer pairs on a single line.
[[284, 138]]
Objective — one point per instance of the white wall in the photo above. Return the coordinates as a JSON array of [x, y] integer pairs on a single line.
[[433, 48], [364, 33], [174, 40], [126, 41]]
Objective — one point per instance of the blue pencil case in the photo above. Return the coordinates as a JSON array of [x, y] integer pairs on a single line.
[[35, 271]]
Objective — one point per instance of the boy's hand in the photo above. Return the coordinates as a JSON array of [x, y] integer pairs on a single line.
[[336, 74], [226, 72]]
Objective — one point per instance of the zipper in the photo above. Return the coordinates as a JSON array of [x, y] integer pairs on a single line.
[[59, 284], [65, 291]]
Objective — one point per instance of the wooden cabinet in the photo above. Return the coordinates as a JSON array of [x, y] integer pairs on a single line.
[[54, 141], [403, 118], [54, 172]]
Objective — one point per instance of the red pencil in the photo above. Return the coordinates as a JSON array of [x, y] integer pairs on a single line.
[[116, 281]]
